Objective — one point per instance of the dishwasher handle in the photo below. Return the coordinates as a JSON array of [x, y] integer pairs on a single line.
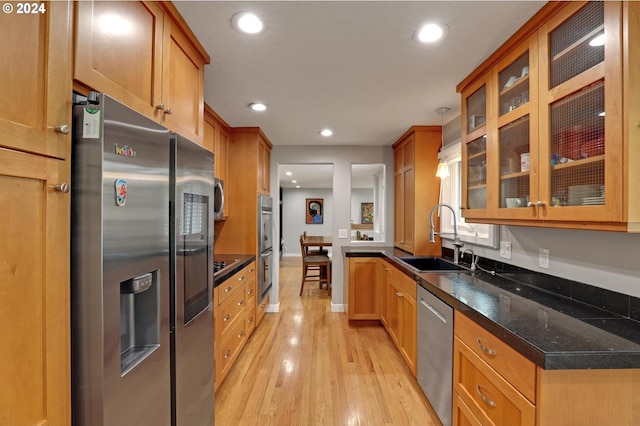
[[433, 310]]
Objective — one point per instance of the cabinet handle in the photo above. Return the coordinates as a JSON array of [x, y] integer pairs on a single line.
[[241, 334], [485, 349], [250, 292], [160, 107], [63, 187], [241, 278], [250, 320], [399, 294], [252, 270], [167, 111], [240, 303], [484, 398], [226, 318], [63, 128], [530, 204], [227, 354], [540, 204], [228, 289]]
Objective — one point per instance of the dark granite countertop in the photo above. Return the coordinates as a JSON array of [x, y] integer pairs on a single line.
[[235, 262], [554, 331]]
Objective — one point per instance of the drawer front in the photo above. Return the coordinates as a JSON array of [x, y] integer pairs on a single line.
[[230, 347], [405, 282], [462, 415], [229, 286], [261, 309], [514, 367], [230, 311], [491, 399]]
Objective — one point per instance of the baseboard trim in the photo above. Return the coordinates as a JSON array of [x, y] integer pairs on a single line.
[[338, 307]]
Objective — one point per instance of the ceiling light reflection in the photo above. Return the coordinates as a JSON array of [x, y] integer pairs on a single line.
[[288, 366]]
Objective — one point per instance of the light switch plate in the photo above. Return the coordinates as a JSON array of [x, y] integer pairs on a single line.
[[343, 233], [543, 258], [505, 249]]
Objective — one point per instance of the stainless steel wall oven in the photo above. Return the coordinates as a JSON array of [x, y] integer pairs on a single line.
[[265, 245]]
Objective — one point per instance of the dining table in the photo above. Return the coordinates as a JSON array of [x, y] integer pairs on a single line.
[[317, 241]]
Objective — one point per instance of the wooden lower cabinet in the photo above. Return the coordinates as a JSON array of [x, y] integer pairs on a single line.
[[261, 308], [34, 291], [402, 313], [364, 288], [462, 415], [495, 385], [235, 307]]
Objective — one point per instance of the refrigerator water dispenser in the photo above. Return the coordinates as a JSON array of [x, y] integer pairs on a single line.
[[139, 319]]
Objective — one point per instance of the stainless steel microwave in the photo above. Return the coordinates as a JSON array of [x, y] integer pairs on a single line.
[[218, 200]]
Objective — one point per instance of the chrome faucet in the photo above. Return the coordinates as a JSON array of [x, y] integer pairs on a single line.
[[457, 244], [474, 258]]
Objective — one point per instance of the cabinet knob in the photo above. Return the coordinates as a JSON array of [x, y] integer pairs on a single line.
[[63, 187], [63, 128], [167, 111], [160, 107], [530, 204], [399, 294], [540, 204]]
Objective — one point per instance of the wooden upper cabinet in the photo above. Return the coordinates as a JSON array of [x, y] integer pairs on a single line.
[[216, 140], [144, 55], [182, 104], [416, 188], [35, 89], [264, 166], [556, 149]]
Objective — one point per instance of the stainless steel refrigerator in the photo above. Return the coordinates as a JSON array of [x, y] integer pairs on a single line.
[[128, 367]]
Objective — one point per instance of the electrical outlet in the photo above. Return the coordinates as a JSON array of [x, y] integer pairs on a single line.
[[505, 249], [343, 233], [543, 258]]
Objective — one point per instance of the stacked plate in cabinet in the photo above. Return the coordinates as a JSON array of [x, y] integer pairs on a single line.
[[594, 201], [578, 194]]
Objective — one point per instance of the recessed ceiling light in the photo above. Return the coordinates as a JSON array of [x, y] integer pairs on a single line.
[[297, 186], [247, 22], [288, 173], [430, 33], [294, 181], [258, 106], [326, 132]]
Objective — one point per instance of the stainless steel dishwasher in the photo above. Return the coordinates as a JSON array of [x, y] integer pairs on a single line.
[[435, 353]]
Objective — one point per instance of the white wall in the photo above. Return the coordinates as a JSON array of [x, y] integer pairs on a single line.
[[294, 216], [341, 157], [607, 260]]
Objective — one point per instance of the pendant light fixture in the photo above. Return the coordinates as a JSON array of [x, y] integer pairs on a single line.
[[443, 168]]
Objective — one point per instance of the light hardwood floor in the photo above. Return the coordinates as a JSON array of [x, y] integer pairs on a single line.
[[306, 365]]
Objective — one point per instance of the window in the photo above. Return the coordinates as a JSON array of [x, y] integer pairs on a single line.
[[451, 193]]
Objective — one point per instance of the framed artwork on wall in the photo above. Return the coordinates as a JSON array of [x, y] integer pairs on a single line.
[[314, 210], [366, 212]]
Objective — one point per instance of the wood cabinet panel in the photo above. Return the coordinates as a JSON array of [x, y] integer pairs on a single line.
[[118, 49], [402, 315], [515, 368], [487, 394], [182, 84], [35, 89], [34, 290], [364, 289], [416, 188], [143, 55], [462, 415]]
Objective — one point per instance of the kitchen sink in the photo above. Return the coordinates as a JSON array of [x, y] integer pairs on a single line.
[[424, 264]]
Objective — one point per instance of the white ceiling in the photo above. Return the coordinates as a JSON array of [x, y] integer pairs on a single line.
[[351, 66]]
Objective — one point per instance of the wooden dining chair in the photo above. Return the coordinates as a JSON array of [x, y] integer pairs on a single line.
[[315, 268]]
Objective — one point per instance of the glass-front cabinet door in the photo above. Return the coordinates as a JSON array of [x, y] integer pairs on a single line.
[[474, 151], [517, 117], [580, 95]]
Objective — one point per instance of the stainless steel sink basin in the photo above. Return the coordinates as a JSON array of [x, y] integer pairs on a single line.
[[425, 264]]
